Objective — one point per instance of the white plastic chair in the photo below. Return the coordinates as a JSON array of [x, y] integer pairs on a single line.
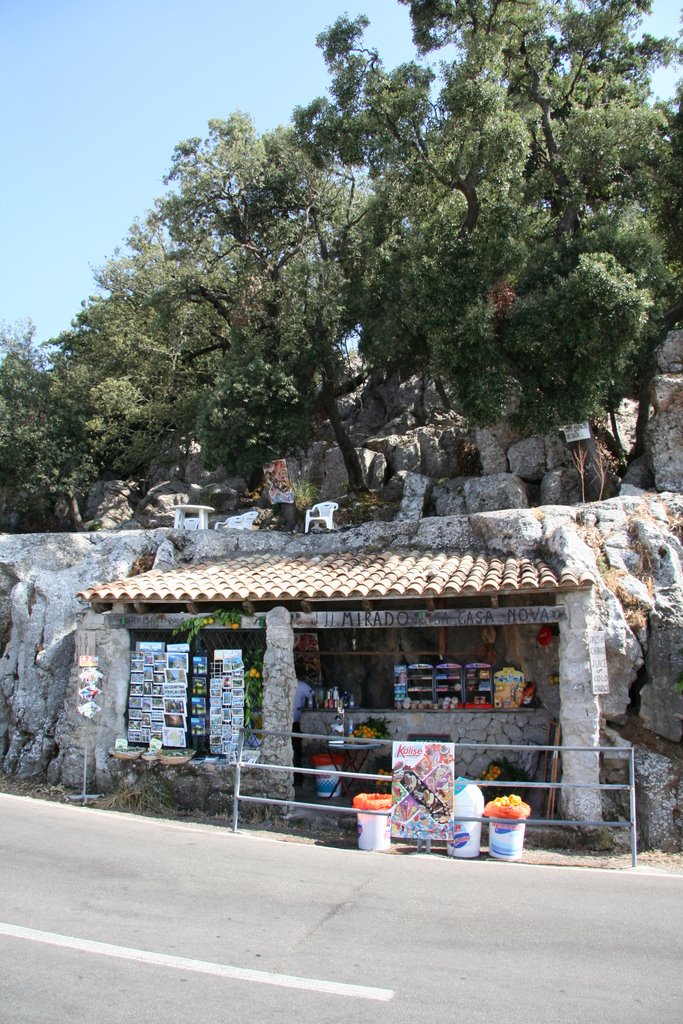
[[323, 512], [242, 522]]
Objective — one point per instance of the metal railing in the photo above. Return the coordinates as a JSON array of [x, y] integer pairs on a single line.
[[625, 752]]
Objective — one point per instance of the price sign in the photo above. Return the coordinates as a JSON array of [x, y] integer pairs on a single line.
[[598, 659]]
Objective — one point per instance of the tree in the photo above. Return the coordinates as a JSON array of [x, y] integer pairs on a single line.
[[269, 243], [44, 455], [515, 195]]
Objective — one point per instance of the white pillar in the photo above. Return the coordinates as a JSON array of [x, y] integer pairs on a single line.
[[579, 709]]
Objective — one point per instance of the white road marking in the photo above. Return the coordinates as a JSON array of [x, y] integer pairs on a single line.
[[335, 988]]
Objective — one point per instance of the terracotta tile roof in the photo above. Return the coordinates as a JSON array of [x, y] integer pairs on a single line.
[[345, 576]]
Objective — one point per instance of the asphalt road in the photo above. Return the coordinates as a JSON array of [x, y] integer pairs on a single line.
[[109, 918]]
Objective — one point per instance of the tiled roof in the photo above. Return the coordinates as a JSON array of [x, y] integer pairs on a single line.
[[346, 576]]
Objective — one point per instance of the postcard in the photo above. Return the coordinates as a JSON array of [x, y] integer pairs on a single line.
[[175, 675], [135, 702], [136, 690], [157, 703], [148, 659], [199, 686], [146, 703], [157, 690], [177, 661], [198, 725], [136, 677], [150, 645], [200, 664], [174, 737], [174, 705], [134, 735], [174, 721], [134, 713], [227, 698], [175, 690], [237, 718], [146, 720], [178, 647], [198, 705]]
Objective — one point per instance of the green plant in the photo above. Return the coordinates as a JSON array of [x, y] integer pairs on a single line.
[[223, 616], [253, 687], [305, 494]]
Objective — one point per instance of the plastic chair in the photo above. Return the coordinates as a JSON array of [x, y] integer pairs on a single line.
[[323, 512], [242, 522]]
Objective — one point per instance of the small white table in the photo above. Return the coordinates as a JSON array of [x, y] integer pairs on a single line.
[[192, 517]]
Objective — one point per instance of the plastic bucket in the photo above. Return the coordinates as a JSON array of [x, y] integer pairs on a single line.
[[374, 830], [506, 839], [327, 784], [467, 799]]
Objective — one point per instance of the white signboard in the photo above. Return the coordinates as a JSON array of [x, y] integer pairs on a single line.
[[576, 432], [598, 657]]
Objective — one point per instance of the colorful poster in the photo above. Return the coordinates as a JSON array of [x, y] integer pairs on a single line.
[[423, 774], [277, 484], [307, 656]]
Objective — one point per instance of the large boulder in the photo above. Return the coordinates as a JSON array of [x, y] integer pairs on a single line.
[[489, 493], [664, 434], [110, 503]]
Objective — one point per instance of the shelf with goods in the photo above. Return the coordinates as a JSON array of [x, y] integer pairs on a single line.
[[448, 683], [477, 686], [420, 682]]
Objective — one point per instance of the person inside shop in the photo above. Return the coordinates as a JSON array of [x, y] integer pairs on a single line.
[[304, 693]]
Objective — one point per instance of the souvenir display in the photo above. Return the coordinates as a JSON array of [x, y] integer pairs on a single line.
[[157, 698], [226, 702]]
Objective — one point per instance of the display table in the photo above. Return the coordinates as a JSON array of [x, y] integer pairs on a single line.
[[355, 754]]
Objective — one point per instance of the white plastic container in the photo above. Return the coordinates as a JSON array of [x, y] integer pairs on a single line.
[[506, 839], [374, 831], [467, 799]]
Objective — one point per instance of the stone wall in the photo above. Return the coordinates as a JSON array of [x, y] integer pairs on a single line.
[[480, 727]]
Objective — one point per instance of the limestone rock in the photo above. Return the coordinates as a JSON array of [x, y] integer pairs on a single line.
[[448, 499], [110, 503], [664, 433], [491, 453], [659, 794], [415, 495], [489, 493], [527, 458], [561, 486]]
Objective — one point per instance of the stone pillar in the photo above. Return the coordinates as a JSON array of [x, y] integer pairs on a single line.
[[279, 687], [579, 709], [112, 648]]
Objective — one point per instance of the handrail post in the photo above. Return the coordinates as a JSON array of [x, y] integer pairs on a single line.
[[632, 803], [238, 779]]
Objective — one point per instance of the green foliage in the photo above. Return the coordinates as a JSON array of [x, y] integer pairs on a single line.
[[191, 628]]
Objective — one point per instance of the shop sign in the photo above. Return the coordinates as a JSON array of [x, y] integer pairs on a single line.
[[598, 659], [533, 615]]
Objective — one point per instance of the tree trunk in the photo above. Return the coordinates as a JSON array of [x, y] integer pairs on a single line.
[[74, 512], [349, 453]]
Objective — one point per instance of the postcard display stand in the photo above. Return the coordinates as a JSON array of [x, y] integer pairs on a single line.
[[226, 696], [157, 701]]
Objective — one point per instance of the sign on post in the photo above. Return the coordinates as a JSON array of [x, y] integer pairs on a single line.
[[576, 432], [598, 659]]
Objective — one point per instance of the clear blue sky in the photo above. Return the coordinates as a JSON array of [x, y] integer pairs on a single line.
[[96, 94]]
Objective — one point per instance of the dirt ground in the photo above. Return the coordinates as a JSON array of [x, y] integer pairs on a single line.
[[552, 847]]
